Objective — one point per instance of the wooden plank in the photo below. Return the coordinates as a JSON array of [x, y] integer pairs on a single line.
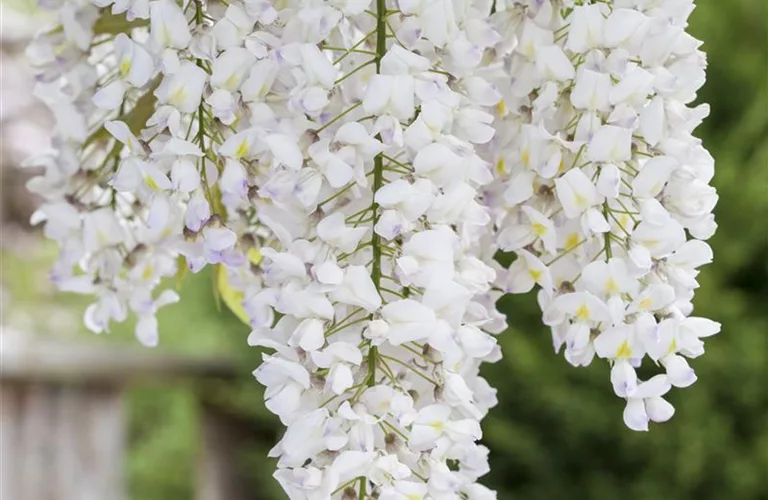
[[98, 436], [218, 475], [56, 361], [63, 421], [61, 442], [10, 429], [35, 446], [67, 469]]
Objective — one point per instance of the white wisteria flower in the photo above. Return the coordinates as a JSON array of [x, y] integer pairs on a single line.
[[350, 169], [591, 197]]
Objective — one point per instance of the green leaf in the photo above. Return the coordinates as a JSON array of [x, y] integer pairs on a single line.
[[112, 24], [231, 297], [181, 270]]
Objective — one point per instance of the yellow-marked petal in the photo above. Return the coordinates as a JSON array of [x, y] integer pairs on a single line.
[[645, 304], [231, 83], [501, 108], [624, 351], [437, 425], [500, 166], [178, 96], [582, 313], [148, 272], [672, 347], [151, 183], [539, 229], [125, 67], [572, 241], [242, 149], [254, 256]]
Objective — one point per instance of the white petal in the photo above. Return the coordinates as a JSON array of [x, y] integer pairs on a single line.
[[168, 26], [553, 63], [286, 150], [635, 416], [329, 273], [576, 193], [610, 144], [654, 387], [652, 121], [653, 212], [358, 289], [340, 378], [409, 320], [653, 176], [594, 221], [520, 188], [309, 334], [146, 331], [623, 378], [679, 372], [609, 181], [701, 327], [691, 255], [111, 96], [377, 94], [185, 176], [659, 410]]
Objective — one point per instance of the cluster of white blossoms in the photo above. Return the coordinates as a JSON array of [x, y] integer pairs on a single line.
[[602, 184], [98, 183], [351, 168]]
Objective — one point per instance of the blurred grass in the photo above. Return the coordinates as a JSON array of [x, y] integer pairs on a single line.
[[557, 432]]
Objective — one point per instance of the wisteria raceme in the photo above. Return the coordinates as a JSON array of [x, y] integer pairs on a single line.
[[351, 168], [602, 184], [376, 302]]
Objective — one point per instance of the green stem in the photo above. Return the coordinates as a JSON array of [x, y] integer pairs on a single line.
[[363, 482], [409, 367], [342, 49], [574, 247], [378, 181], [339, 116], [607, 236], [334, 196], [359, 68], [351, 49]]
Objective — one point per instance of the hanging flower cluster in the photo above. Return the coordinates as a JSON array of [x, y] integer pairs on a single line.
[[602, 183], [98, 182], [350, 168]]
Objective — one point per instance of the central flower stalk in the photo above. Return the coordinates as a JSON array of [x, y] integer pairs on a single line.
[[378, 181]]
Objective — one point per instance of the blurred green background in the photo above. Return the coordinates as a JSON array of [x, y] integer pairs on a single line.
[[557, 432]]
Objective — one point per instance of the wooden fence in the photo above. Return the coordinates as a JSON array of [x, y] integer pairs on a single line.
[[63, 421]]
